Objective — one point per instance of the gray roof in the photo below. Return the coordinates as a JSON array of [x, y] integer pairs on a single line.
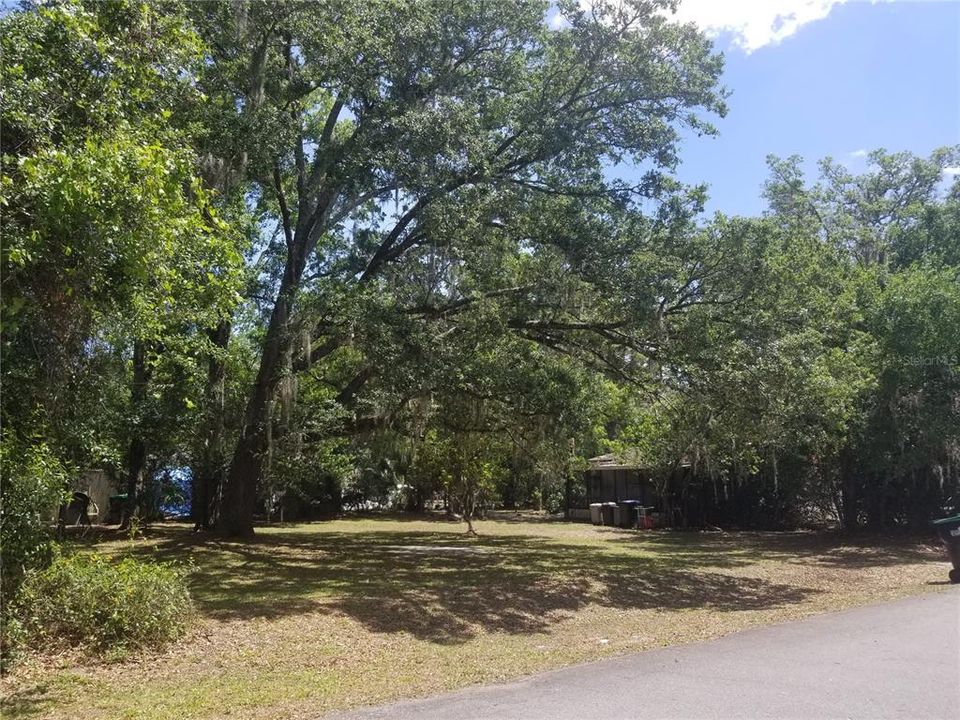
[[611, 461]]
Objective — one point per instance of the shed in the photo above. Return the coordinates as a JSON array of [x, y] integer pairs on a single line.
[[97, 485], [609, 478]]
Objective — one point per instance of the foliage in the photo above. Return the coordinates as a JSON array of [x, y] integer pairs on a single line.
[[412, 181], [894, 459], [116, 257], [374, 253], [103, 606], [34, 484]]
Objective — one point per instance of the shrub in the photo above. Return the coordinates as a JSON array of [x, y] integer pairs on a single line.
[[12, 641], [33, 486], [105, 607]]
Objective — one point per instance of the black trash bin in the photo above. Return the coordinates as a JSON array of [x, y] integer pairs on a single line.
[[606, 512], [949, 530], [629, 513], [115, 510]]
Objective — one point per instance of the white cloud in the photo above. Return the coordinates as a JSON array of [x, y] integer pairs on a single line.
[[951, 171], [859, 153], [754, 23]]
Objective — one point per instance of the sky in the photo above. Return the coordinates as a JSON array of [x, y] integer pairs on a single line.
[[821, 77]]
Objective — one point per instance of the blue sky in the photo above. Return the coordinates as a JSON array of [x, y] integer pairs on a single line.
[[866, 75]]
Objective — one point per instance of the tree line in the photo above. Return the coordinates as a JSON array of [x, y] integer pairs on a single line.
[[350, 251]]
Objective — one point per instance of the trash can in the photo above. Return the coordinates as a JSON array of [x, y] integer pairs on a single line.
[[629, 513], [606, 511], [115, 510], [75, 511], [949, 530], [596, 516]]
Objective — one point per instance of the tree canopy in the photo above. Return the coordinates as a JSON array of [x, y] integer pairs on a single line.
[[375, 252]]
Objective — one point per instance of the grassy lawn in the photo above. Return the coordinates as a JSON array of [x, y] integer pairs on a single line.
[[314, 617]]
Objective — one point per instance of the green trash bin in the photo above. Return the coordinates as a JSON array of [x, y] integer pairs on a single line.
[[949, 531]]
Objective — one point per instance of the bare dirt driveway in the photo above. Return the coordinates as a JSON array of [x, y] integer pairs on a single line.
[[893, 660]]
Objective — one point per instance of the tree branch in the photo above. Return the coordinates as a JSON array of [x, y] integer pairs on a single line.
[[284, 210], [435, 311], [382, 254]]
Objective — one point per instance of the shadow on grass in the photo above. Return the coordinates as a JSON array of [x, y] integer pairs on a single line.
[[851, 552], [26, 702], [442, 587]]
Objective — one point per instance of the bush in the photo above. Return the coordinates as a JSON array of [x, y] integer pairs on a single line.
[[33, 486], [12, 641], [31, 489], [105, 607]]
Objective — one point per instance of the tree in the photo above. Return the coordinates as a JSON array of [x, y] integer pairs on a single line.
[[894, 458], [391, 122], [113, 253]]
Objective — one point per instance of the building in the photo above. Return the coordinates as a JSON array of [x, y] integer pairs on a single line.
[[96, 484], [609, 478]]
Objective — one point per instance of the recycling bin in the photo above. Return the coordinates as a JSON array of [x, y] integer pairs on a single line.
[[949, 531], [629, 513], [596, 516]]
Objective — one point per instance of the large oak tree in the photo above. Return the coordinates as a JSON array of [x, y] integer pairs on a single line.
[[377, 129]]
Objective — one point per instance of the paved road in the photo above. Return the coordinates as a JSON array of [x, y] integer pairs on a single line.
[[895, 660]]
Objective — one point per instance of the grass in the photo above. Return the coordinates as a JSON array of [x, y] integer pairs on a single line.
[[316, 617]]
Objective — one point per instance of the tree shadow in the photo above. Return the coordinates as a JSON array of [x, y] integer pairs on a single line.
[[26, 702], [438, 585], [835, 550], [525, 517]]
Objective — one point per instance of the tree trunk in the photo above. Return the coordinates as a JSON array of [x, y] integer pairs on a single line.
[[876, 501], [468, 511], [136, 469], [208, 475], [137, 452], [240, 490], [849, 502]]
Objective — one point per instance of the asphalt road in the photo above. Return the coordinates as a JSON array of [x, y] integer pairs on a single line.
[[894, 660]]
